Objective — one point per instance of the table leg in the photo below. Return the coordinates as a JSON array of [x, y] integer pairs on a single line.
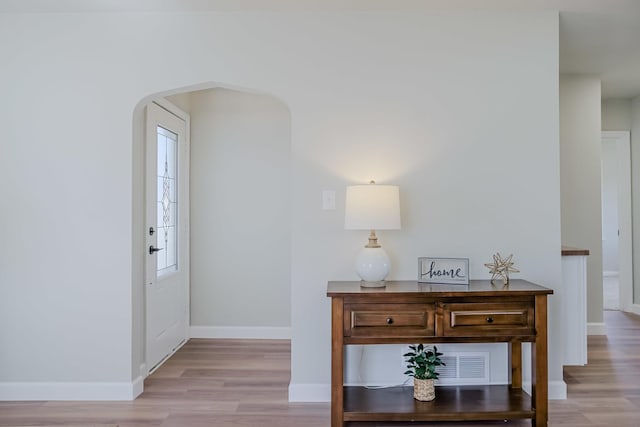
[[337, 363], [516, 364], [539, 367]]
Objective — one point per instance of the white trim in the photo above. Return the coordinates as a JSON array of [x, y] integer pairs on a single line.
[[30, 391], [241, 332], [635, 309], [309, 392], [137, 387], [173, 109], [557, 389], [610, 274], [596, 328]]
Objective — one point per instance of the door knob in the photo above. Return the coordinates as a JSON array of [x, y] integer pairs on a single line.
[[152, 249]]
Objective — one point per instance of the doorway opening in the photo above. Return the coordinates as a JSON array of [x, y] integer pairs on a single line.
[[616, 221], [239, 216]]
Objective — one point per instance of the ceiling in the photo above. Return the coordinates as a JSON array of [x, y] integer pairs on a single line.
[[603, 41], [597, 37]]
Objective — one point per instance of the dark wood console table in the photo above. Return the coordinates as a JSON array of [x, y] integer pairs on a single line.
[[407, 312]]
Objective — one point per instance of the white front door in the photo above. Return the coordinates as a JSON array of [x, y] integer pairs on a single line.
[[167, 233]]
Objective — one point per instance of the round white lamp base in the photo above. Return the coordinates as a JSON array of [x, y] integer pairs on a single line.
[[372, 265]]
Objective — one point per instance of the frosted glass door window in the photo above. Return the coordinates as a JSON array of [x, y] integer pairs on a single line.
[[167, 201]]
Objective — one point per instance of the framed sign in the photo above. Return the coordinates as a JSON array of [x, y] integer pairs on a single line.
[[443, 270]]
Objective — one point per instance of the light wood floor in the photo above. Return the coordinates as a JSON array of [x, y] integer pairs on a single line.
[[244, 383]]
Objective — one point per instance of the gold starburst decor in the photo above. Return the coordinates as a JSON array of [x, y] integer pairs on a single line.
[[501, 267]]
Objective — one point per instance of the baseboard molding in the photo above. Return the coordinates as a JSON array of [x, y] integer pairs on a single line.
[[635, 309], [557, 389], [30, 391], [137, 387], [309, 392], [609, 274], [241, 332], [594, 328]]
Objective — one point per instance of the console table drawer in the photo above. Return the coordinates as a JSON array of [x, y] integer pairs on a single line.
[[385, 320], [466, 319]]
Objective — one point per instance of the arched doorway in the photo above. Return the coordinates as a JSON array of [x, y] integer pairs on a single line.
[[239, 216]]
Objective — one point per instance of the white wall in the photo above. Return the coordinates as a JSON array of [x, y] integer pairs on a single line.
[[616, 114], [460, 109], [240, 210], [460, 175], [580, 157]]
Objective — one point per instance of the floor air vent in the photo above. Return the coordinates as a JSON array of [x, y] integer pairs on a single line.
[[464, 368]]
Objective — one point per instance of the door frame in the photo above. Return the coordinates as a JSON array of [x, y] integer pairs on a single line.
[[184, 198], [625, 238]]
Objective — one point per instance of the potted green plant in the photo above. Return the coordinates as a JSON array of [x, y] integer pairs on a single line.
[[421, 365]]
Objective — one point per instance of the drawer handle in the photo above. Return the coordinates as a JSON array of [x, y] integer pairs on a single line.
[[489, 319], [389, 320]]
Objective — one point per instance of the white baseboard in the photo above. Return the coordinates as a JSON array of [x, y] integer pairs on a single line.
[[242, 332], [635, 309], [30, 391], [309, 392], [557, 389], [137, 387], [609, 274], [596, 328]]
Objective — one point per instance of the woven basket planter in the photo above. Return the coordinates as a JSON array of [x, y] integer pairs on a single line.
[[424, 390]]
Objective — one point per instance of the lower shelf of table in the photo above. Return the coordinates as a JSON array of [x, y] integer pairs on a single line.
[[452, 403]]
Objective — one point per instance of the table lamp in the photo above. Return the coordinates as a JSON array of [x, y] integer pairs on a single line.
[[372, 207]]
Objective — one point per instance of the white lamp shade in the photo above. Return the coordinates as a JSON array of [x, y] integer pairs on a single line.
[[372, 207]]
